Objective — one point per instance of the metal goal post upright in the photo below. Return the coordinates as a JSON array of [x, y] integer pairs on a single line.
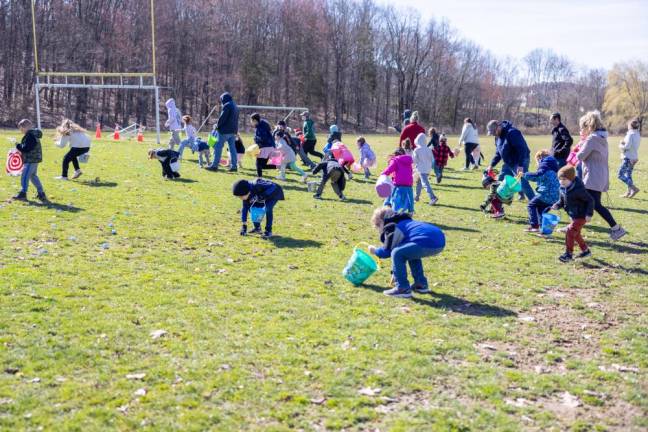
[[97, 80]]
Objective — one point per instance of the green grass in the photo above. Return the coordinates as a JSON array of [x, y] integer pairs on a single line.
[[269, 336]]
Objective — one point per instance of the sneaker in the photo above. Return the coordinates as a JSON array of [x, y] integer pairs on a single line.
[[616, 234], [532, 230], [566, 257], [61, 178], [281, 178], [266, 235], [256, 230], [434, 201], [319, 197], [562, 230], [626, 195], [42, 197], [232, 170], [22, 196], [77, 174], [304, 178], [499, 215], [584, 254], [397, 292], [210, 168], [421, 289], [343, 198], [633, 192]]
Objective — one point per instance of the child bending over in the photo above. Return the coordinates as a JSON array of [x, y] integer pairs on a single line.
[[494, 203], [333, 171], [169, 161], [547, 190], [258, 193]]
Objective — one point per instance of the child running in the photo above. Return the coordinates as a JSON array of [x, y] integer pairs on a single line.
[[367, 156], [258, 193], [494, 203], [400, 169], [32, 154], [287, 157], [548, 190], [406, 241], [262, 138], [423, 161], [441, 153], [579, 205], [190, 135], [334, 135], [630, 156], [70, 133], [333, 171], [169, 161], [203, 151]]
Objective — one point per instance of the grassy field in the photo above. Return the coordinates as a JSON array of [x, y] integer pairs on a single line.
[[176, 322]]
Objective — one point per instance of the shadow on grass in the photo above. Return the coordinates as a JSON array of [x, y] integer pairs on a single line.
[[459, 207], [604, 264], [455, 228], [455, 304], [93, 183], [289, 242], [630, 210], [620, 247], [184, 180], [56, 206]]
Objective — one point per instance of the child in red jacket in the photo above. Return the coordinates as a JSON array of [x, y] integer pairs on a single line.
[[441, 153]]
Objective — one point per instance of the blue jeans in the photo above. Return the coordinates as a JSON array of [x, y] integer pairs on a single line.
[[625, 172], [579, 171], [218, 150], [410, 253], [438, 172], [190, 142], [401, 199], [424, 181], [536, 207], [29, 173], [512, 171]]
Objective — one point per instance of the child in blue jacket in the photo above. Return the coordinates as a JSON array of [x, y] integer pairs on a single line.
[[548, 190], [258, 193], [406, 240], [334, 135]]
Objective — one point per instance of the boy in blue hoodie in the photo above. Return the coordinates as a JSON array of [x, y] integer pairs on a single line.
[[548, 190], [32, 154], [406, 241], [258, 193]]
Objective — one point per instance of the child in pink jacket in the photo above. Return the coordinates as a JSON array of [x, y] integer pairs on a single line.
[[402, 173]]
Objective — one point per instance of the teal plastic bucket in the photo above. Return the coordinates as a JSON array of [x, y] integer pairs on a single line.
[[257, 214], [549, 222], [509, 187], [360, 267]]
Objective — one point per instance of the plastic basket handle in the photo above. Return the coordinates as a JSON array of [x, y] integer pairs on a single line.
[[369, 244]]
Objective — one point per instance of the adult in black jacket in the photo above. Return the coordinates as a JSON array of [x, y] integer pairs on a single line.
[[561, 140]]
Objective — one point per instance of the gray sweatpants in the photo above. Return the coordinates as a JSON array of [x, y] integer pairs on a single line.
[[174, 139]]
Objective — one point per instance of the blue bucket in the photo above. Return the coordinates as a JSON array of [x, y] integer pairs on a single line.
[[257, 214], [549, 222]]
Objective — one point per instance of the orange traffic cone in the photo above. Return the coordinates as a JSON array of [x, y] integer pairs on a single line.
[[98, 131], [140, 135], [116, 134]]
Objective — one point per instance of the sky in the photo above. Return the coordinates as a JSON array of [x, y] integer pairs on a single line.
[[593, 33]]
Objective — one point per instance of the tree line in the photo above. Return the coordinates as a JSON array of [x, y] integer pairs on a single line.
[[352, 62]]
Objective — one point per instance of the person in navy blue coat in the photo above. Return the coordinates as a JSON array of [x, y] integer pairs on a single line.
[[264, 139], [512, 149], [258, 193], [227, 128]]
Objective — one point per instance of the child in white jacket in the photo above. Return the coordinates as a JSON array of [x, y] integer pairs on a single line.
[[287, 157], [423, 162], [630, 156]]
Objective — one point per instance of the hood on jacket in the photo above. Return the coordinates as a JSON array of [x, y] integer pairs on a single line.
[[170, 104], [420, 140], [398, 217], [37, 133], [334, 129], [407, 114], [506, 125], [603, 133], [548, 164], [226, 98]]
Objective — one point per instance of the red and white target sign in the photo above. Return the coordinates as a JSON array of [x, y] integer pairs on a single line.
[[15, 164]]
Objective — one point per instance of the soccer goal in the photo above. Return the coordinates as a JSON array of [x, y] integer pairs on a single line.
[[97, 80]]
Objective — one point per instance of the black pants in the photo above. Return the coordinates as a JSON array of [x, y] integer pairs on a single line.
[[309, 148], [338, 182], [166, 168], [262, 164], [469, 149], [600, 208], [71, 156]]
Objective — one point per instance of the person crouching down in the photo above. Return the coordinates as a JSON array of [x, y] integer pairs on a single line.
[[258, 193], [579, 205], [494, 203], [169, 161], [333, 171], [406, 240]]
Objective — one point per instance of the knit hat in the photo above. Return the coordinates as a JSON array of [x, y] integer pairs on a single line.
[[334, 128], [568, 172], [241, 188]]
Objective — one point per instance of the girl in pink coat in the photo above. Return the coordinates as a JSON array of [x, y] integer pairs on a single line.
[[402, 174]]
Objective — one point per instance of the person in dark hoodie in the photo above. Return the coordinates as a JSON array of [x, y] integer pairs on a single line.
[[333, 171], [406, 241], [32, 154], [227, 128], [561, 140], [263, 138], [579, 205], [547, 190], [512, 149], [258, 193]]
